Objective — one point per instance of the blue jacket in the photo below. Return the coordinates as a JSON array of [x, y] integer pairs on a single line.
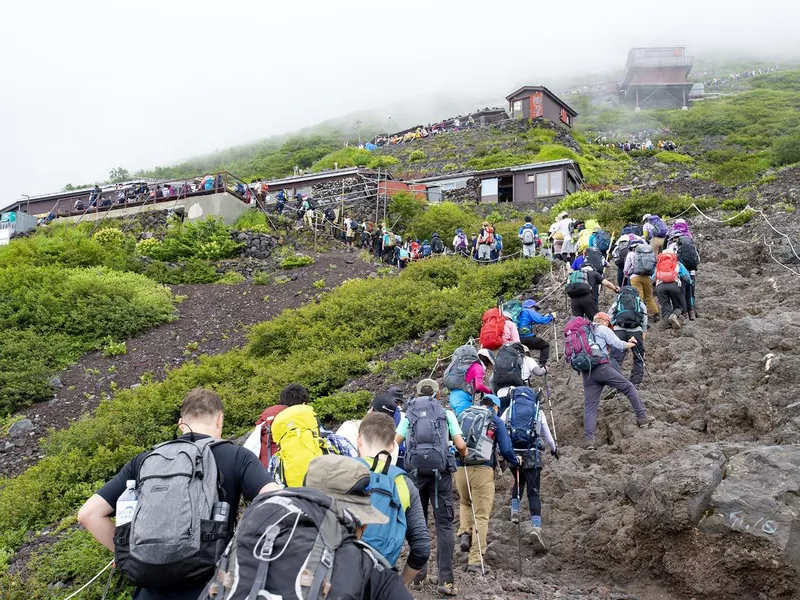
[[501, 442], [529, 226], [460, 401], [528, 318], [578, 263]]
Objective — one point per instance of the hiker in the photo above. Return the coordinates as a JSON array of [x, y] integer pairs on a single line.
[[352, 227], [320, 554], [586, 351], [620, 252], [485, 242], [564, 228], [484, 433], [464, 376], [426, 249], [497, 251], [668, 289], [428, 427], [583, 289], [655, 232], [460, 243], [383, 403], [689, 258], [399, 501], [528, 235], [389, 242], [601, 240], [305, 437], [513, 367], [679, 229], [527, 427], [528, 318], [640, 264], [437, 245], [590, 256], [628, 316], [153, 526]]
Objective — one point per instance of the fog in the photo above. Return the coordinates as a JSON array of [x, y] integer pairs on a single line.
[[92, 85]]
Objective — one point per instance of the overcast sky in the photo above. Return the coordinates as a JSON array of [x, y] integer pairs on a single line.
[[91, 85]]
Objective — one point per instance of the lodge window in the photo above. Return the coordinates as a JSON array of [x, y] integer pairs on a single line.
[[516, 108], [549, 184]]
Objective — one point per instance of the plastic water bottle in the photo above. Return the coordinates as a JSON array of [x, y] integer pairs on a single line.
[[126, 503]]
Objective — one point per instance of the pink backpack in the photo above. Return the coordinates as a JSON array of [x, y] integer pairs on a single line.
[[581, 350]]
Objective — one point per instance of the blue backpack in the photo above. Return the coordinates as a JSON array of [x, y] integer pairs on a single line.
[[523, 418], [602, 241], [386, 496], [498, 242], [426, 250]]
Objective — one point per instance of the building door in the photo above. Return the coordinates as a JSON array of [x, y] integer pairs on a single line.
[[505, 189]]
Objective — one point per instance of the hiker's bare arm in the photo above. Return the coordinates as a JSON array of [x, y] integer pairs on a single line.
[[408, 574], [461, 445], [270, 487], [609, 285], [399, 439], [95, 516]]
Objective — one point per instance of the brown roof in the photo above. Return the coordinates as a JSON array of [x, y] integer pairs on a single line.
[[541, 88]]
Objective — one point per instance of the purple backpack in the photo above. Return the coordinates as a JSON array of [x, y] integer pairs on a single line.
[[581, 350], [661, 228]]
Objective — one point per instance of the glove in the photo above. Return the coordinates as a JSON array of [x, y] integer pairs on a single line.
[[554, 453]]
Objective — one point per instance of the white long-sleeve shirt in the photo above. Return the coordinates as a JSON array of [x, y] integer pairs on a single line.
[[542, 428]]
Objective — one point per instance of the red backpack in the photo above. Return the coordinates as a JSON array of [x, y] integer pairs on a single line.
[[667, 267], [494, 326], [268, 446]]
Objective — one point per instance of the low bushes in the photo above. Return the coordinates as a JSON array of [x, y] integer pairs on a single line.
[[673, 157], [346, 157], [209, 239]]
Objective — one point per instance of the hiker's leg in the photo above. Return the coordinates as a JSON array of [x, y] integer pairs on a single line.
[[543, 346], [637, 372], [465, 523], [616, 380], [424, 487], [532, 477], [591, 401], [589, 306], [618, 356], [481, 480], [577, 308], [445, 540], [620, 276]]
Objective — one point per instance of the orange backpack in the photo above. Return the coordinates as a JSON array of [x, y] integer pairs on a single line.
[[667, 267], [494, 326]]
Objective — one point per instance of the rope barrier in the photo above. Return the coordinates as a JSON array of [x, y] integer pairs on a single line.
[[90, 582]]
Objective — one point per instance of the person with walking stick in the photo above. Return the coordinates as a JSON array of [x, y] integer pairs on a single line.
[[528, 430], [484, 432]]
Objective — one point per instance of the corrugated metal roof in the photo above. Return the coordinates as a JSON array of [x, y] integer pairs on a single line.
[[527, 167], [293, 180]]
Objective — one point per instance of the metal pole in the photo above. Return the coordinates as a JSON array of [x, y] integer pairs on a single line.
[[474, 520]]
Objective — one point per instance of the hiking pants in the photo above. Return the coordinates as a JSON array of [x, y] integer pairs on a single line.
[[439, 492], [528, 478], [637, 372], [688, 291], [484, 252], [644, 285], [670, 296], [534, 342], [481, 482], [620, 276], [584, 306], [658, 245], [593, 383], [528, 250]]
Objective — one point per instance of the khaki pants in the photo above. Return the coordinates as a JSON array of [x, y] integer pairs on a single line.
[[658, 245], [481, 482], [644, 285], [308, 217]]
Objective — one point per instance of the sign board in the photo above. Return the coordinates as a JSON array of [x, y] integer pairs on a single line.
[[9, 217]]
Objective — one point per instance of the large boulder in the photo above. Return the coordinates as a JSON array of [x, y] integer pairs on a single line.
[[760, 498], [672, 494]]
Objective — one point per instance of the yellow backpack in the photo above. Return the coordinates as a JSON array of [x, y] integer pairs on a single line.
[[296, 431]]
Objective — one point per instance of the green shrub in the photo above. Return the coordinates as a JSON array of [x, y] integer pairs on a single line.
[[581, 199], [786, 149], [743, 217], [404, 207], [319, 284], [112, 348], [262, 278], [110, 237], [342, 406], [417, 155], [443, 219], [253, 218], [383, 161], [450, 167], [733, 204], [231, 278], [412, 366], [346, 157], [191, 271], [208, 239], [673, 157], [500, 159], [295, 261], [150, 247]]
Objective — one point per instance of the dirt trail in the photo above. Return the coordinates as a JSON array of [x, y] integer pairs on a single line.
[[213, 319]]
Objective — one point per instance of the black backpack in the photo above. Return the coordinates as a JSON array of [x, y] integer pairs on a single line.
[[508, 366], [687, 253], [633, 228], [595, 258], [437, 245], [629, 309], [427, 440], [291, 542], [578, 285]]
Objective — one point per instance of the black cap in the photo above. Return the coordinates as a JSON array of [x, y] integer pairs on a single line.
[[396, 392], [383, 403]]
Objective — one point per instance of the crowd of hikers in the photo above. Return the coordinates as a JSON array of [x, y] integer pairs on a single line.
[[331, 512]]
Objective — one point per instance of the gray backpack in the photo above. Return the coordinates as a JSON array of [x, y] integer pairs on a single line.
[[456, 372], [172, 538], [644, 260]]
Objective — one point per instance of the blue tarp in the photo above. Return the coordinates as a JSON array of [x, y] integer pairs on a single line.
[[370, 146]]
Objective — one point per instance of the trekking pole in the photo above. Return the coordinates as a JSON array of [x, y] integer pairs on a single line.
[[649, 376], [474, 520], [519, 535], [555, 338], [550, 404]]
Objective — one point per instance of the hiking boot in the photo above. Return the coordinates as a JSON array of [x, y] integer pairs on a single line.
[[477, 569], [514, 515], [675, 321], [656, 318], [416, 585], [590, 444], [448, 589], [465, 541], [537, 541], [644, 422], [692, 316], [609, 394]]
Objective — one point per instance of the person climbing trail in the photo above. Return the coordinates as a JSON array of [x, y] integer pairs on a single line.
[[527, 320], [583, 289], [464, 376], [668, 289], [513, 367], [640, 264], [628, 316]]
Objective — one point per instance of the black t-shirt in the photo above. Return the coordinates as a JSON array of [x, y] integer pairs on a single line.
[[595, 280], [243, 475]]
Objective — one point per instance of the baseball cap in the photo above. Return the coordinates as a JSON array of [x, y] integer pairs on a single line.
[[529, 304], [427, 383], [647, 216], [494, 399], [384, 403], [485, 352], [346, 481], [603, 316]]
